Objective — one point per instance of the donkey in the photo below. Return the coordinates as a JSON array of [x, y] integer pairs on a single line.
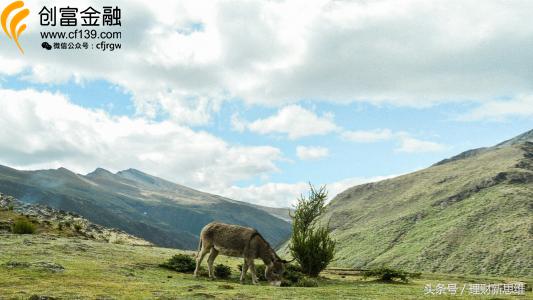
[[239, 241]]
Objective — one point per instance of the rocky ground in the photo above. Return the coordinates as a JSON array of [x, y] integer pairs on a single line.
[[61, 220]]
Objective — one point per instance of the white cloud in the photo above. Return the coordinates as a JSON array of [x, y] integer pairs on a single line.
[[277, 53], [286, 194], [368, 136], [310, 153], [45, 130], [521, 106], [407, 143], [411, 145], [294, 121]]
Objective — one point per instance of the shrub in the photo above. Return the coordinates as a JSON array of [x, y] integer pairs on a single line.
[[222, 271], [302, 282], [387, 274], [293, 273], [77, 227], [23, 226], [181, 263], [10, 207], [307, 282], [311, 244]]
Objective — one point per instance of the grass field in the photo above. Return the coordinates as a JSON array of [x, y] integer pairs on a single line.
[[32, 265]]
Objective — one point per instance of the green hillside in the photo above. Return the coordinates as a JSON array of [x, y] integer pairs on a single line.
[[469, 214], [157, 210]]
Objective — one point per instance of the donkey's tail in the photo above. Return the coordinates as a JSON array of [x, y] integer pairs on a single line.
[[199, 247]]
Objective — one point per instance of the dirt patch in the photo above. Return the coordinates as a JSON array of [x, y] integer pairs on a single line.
[[204, 295], [196, 286], [226, 287]]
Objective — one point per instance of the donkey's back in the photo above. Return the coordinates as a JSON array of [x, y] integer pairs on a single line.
[[228, 239]]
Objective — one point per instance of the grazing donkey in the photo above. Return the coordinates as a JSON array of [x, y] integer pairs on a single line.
[[239, 241]]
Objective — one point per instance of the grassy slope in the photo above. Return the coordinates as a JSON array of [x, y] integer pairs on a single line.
[[415, 222], [106, 271]]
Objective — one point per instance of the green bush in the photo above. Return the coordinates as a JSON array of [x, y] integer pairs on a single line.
[[307, 282], [293, 273], [301, 282], [222, 271], [10, 207], [77, 227], [311, 244], [23, 226], [387, 274], [181, 263]]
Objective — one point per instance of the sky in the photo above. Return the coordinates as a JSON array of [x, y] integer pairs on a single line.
[[255, 99]]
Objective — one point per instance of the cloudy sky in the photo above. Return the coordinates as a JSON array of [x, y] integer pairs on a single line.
[[252, 99]]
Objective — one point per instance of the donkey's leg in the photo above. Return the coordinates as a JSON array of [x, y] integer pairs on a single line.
[[210, 261], [252, 269], [243, 271], [201, 254]]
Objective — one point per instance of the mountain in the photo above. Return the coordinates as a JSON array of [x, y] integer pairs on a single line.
[[471, 214], [143, 205]]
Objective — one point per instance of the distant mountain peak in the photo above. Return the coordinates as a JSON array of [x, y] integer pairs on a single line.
[[64, 172], [519, 139], [99, 172], [143, 178]]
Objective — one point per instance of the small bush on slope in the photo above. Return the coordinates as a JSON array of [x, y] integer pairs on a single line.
[[222, 271], [23, 226], [181, 263], [386, 274]]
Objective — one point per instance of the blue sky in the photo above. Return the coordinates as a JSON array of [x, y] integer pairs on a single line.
[[252, 100]]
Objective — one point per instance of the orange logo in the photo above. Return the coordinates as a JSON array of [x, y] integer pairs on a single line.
[[14, 32]]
